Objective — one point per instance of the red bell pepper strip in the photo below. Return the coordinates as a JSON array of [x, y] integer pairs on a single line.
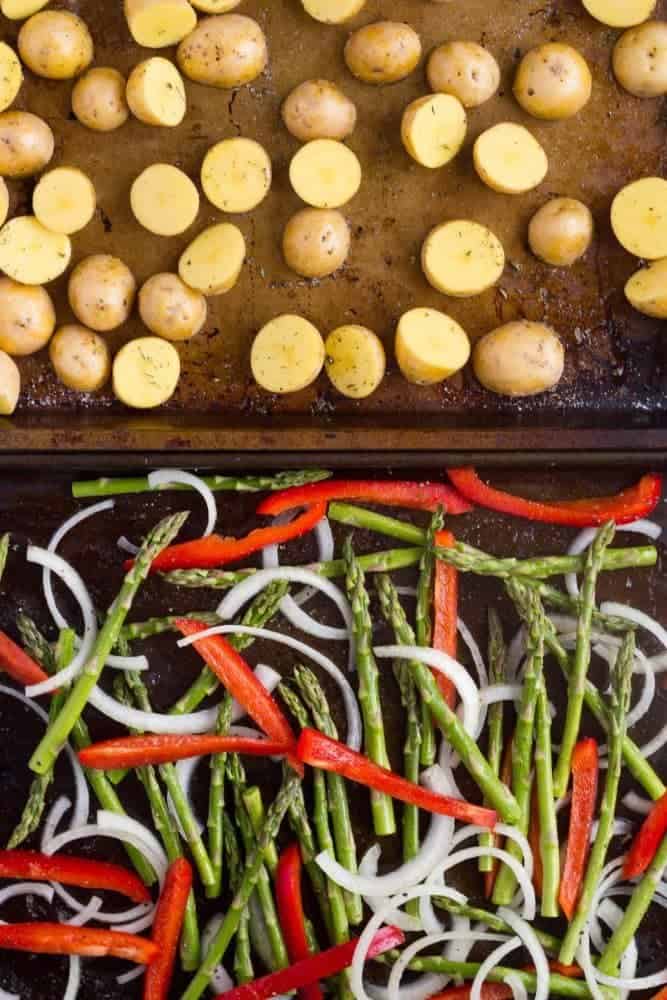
[[506, 778], [291, 915], [662, 995], [63, 939], [445, 614], [137, 751], [534, 841], [167, 928], [310, 970], [637, 501], [214, 550], [18, 664], [69, 870], [390, 493], [648, 840], [585, 770], [321, 751]]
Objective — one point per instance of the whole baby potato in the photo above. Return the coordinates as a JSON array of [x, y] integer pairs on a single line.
[[26, 144], [170, 309], [519, 359], [318, 109], [465, 70], [101, 292], [640, 59], [226, 50], [27, 317], [561, 231], [316, 242], [553, 82], [383, 52], [81, 358], [98, 99], [56, 44]]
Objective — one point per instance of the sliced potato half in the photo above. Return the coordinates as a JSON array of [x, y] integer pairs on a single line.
[[10, 384], [647, 289], [156, 24], [333, 11], [620, 13], [4, 201], [433, 129], [215, 6], [32, 254], [430, 346], [509, 159], [236, 175], [355, 360], [325, 173], [639, 217], [156, 93], [146, 372], [213, 261], [11, 75], [287, 354], [64, 200], [462, 258], [17, 10], [164, 200]]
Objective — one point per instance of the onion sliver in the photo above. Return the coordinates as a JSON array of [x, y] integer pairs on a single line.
[[325, 553], [398, 970], [525, 932], [636, 803], [585, 537], [164, 477], [516, 985], [40, 889], [127, 662], [493, 693], [638, 617], [505, 830], [368, 868], [490, 962], [6, 995], [86, 913], [474, 651], [122, 917], [125, 545], [73, 979], [529, 903], [185, 770], [129, 977]]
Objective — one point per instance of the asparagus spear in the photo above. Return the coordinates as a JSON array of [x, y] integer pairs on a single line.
[[620, 700], [559, 986], [375, 745], [411, 762], [298, 818], [497, 654], [4, 552], [423, 628], [549, 847], [550, 943], [243, 970], [106, 487], [582, 657], [252, 800], [156, 626], [216, 800]]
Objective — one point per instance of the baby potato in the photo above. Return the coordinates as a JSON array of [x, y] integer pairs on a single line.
[[509, 159], [519, 359], [64, 200], [155, 93], [639, 217], [146, 372], [462, 258], [325, 173], [56, 44], [647, 289], [98, 99], [215, 6], [156, 24], [11, 75], [10, 384], [318, 109], [164, 200], [81, 358], [213, 261], [26, 144], [32, 254], [433, 129], [640, 60], [287, 354], [553, 82], [465, 70], [383, 52], [354, 360], [4, 201], [170, 309], [620, 13], [236, 175], [101, 292], [226, 51], [18, 10], [430, 346], [316, 242], [332, 11], [27, 318], [561, 231]]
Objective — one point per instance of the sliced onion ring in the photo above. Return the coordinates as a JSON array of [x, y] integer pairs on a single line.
[[491, 962], [527, 935], [165, 477]]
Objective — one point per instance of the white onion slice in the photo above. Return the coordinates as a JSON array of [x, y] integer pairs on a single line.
[[636, 803], [620, 827], [221, 981], [129, 977], [516, 985], [185, 770], [325, 553], [53, 818], [505, 830], [406, 591], [655, 744], [86, 913], [519, 870], [40, 889], [138, 925], [125, 545], [6, 995], [127, 662], [585, 537], [368, 868], [164, 477], [474, 651], [125, 916], [500, 692], [73, 979], [491, 962], [394, 992], [525, 932], [638, 617], [515, 654]]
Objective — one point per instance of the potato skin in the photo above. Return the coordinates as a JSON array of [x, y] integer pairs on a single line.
[[561, 231], [318, 109], [465, 70], [98, 99], [383, 52], [81, 358], [101, 292], [27, 317], [640, 59], [226, 50], [56, 44], [316, 242], [170, 309], [10, 384], [553, 82], [519, 359], [26, 144]]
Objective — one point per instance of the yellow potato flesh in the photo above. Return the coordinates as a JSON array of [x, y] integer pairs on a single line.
[[433, 129], [164, 200], [146, 372], [509, 159], [4, 201], [620, 13], [325, 173], [156, 93], [236, 175], [332, 11], [647, 290], [462, 258], [430, 346], [215, 6], [213, 261], [355, 360], [10, 384], [32, 254], [64, 200], [287, 354], [639, 218], [17, 10], [155, 24], [11, 75]]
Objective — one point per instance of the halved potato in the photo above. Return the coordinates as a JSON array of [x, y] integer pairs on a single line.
[[430, 346], [325, 173], [620, 13], [433, 129], [11, 75], [164, 200], [639, 217], [64, 200], [640, 59], [215, 6], [26, 144], [27, 318], [462, 258], [10, 384], [509, 159], [18, 10], [156, 93], [213, 261], [355, 360], [146, 372], [236, 175], [333, 11], [81, 358], [287, 354], [647, 289], [519, 359], [156, 24], [32, 254], [4, 201], [56, 44]]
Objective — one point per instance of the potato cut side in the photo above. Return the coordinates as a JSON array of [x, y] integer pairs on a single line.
[[215, 6], [639, 217], [156, 93], [213, 261], [4, 201], [32, 254], [462, 258], [430, 346], [509, 159], [10, 384], [146, 372], [355, 360], [17, 10], [236, 175], [620, 13], [11, 75], [64, 200], [433, 129], [164, 200], [647, 289], [155, 24], [287, 354], [325, 173], [333, 11]]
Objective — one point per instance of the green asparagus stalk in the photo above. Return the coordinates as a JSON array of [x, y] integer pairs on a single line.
[[36, 643], [423, 628], [252, 800], [216, 800], [106, 487], [619, 702], [559, 986], [474, 760], [243, 970], [572, 605], [4, 552], [298, 819], [549, 942], [495, 717], [370, 703], [411, 764], [156, 626], [549, 846]]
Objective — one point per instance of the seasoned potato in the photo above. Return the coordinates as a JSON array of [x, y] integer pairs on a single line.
[[156, 24], [156, 93], [640, 60], [213, 261], [519, 359], [101, 292], [27, 318], [56, 44], [287, 354], [170, 309], [433, 129], [32, 254], [383, 52], [430, 346], [553, 82], [639, 217], [4, 201], [81, 358], [236, 175], [98, 99], [333, 11], [225, 51], [354, 360], [18, 10], [10, 384], [318, 109], [64, 200], [465, 70], [164, 200], [146, 372], [215, 6], [647, 289], [509, 159], [561, 231], [620, 13], [11, 75], [462, 258], [26, 144], [316, 242], [325, 173]]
